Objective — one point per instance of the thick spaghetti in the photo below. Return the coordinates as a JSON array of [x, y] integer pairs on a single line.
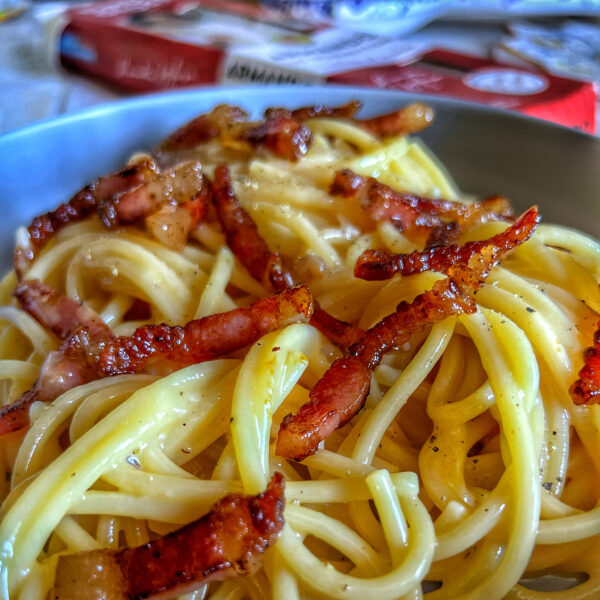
[[466, 464]]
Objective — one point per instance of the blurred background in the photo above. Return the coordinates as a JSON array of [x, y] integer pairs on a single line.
[[538, 57]]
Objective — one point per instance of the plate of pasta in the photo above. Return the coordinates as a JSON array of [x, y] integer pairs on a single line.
[[254, 345]]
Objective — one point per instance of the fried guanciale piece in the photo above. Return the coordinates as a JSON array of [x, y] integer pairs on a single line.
[[283, 136], [31, 240], [586, 390], [200, 340], [265, 266], [56, 312], [424, 221], [345, 111], [282, 130], [243, 238], [284, 133], [182, 186], [342, 391], [374, 265], [59, 373], [223, 121], [410, 119], [338, 332], [90, 350], [227, 542]]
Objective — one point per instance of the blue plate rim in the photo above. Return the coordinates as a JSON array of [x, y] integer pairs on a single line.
[[164, 97]]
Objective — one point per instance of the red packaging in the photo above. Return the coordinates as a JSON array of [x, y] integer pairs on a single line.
[[441, 72], [145, 45]]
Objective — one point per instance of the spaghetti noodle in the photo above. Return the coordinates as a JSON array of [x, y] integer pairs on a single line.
[[468, 473]]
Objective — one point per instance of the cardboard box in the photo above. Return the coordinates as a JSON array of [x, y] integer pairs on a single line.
[[146, 45]]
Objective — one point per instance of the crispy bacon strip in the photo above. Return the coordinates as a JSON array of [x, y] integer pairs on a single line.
[[243, 238], [338, 332], [423, 220], [57, 312], [265, 266], [410, 119], [283, 136], [123, 198], [374, 265], [282, 130], [586, 390], [312, 112], [199, 340], [90, 351], [227, 542], [80, 206], [284, 133], [59, 373], [183, 186], [223, 121], [342, 391]]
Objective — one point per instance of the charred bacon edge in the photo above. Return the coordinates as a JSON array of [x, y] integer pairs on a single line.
[[423, 220], [283, 131], [148, 198], [342, 391], [227, 542], [265, 266], [586, 390], [89, 352], [197, 341], [79, 207], [375, 265]]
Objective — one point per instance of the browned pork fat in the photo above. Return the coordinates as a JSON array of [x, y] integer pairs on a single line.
[[424, 221], [283, 131], [90, 351], [59, 373], [404, 121], [82, 205], [342, 391], [227, 542], [200, 340], [374, 265], [251, 250], [586, 390]]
